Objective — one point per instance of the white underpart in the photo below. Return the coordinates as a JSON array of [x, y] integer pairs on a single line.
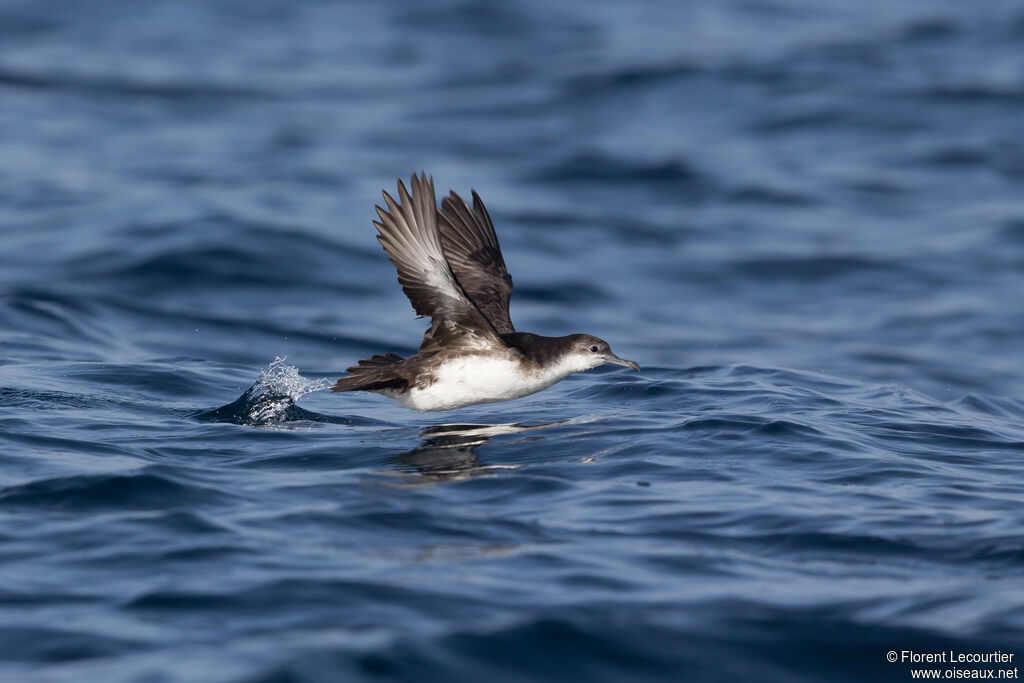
[[477, 379]]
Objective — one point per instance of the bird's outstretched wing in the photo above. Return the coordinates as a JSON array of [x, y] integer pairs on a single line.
[[409, 234], [471, 247]]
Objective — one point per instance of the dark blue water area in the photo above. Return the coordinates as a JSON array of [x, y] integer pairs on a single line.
[[804, 219]]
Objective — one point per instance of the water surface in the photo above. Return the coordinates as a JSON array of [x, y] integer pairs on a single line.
[[804, 220]]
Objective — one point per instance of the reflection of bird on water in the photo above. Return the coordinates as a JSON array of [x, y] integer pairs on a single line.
[[449, 451]]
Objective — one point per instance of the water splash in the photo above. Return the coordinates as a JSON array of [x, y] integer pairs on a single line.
[[271, 399]]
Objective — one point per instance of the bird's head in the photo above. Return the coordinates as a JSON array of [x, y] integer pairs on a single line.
[[587, 351]]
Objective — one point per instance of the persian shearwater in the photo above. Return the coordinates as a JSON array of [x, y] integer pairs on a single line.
[[451, 268]]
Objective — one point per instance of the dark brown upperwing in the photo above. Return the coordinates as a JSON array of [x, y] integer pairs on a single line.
[[472, 251], [410, 237]]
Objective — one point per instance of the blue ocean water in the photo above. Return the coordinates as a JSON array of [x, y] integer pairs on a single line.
[[804, 219]]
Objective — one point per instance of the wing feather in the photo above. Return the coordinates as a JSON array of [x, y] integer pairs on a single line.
[[474, 256], [409, 235]]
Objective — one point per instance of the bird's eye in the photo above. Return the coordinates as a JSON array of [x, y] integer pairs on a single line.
[[593, 349]]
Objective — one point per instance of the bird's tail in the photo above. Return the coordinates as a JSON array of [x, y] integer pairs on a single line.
[[372, 374]]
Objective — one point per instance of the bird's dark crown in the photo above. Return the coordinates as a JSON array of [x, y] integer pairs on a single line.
[[548, 350]]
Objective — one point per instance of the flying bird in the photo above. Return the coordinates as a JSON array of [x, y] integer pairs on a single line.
[[451, 268]]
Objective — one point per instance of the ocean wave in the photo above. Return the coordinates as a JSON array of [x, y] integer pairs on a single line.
[[89, 493]]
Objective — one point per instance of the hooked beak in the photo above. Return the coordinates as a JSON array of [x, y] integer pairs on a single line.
[[612, 358]]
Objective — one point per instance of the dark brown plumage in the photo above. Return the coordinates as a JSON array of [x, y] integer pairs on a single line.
[[410, 236], [373, 374], [472, 250]]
